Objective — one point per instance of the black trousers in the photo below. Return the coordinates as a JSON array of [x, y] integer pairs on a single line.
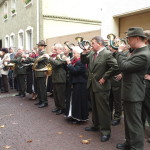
[[5, 82], [115, 102], [21, 83], [146, 107], [41, 89]]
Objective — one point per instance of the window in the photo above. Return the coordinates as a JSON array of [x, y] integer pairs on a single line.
[[29, 38], [13, 7], [12, 40], [21, 38], [6, 41], [5, 10]]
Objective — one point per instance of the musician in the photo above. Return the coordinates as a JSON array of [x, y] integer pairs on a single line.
[[58, 79], [41, 61], [115, 97], [4, 69], [20, 72], [146, 102], [10, 72], [101, 66], [134, 68], [78, 107]]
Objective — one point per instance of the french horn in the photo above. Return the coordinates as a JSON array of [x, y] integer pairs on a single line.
[[47, 68], [83, 44], [69, 45], [115, 42]]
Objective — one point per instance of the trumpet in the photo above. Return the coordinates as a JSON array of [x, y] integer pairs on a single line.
[[83, 44], [115, 42]]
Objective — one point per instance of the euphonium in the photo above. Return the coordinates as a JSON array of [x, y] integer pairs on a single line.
[[115, 42], [83, 44], [47, 68]]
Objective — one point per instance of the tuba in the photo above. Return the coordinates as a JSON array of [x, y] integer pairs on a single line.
[[115, 42], [47, 68], [83, 44]]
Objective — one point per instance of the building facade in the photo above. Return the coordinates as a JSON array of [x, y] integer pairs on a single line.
[[18, 23], [25, 22], [128, 14]]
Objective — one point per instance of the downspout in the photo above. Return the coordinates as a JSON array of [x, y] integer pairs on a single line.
[[38, 21]]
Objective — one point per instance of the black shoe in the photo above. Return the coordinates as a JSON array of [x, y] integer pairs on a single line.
[[105, 138], [123, 146], [19, 94], [55, 110], [148, 140], [4, 91], [91, 129], [115, 122], [76, 122], [43, 105], [23, 95], [59, 112], [38, 103]]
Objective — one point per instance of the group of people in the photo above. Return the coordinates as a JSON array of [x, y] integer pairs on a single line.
[[115, 80]]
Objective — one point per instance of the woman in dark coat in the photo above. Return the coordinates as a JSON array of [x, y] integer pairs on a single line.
[[78, 108]]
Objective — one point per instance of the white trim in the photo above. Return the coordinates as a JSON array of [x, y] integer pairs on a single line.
[[7, 44], [5, 10], [19, 33], [13, 7], [12, 42], [29, 47]]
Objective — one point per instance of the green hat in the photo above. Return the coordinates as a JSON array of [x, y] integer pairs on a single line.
[[135, 31], [41, 43]]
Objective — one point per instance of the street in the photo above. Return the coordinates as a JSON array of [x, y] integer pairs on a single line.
[[24, 126]]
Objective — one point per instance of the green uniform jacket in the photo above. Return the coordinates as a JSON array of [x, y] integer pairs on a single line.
[[134, 69], [59, 72], [19, 68], [104, 66]]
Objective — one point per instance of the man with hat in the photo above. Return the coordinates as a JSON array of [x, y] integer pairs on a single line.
[[133, 67], [41, 61]]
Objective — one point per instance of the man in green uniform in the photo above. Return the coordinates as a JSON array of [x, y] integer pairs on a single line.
[[20, 72], [134, 68], [40, 62], [101, 66], [59, 79]]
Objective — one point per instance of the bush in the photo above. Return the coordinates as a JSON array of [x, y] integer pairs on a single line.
[[5, 16], [27, 1], [13, 11]]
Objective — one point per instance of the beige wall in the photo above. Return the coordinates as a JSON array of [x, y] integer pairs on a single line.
[[139, 20], [54, 28], [71, 38]]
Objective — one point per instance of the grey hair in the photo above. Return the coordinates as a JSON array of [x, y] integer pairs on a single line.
[[77, 49], [58, 46], [99, 39]]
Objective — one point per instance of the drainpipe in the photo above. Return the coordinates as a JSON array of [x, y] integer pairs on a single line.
[[38, 20]]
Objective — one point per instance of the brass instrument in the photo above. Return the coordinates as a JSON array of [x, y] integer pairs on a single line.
[[10, 65], [83, 44], [47, 68], [115, 42], [69, 45]]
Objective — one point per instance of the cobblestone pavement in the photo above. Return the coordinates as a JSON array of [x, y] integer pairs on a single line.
[[24, 126]]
